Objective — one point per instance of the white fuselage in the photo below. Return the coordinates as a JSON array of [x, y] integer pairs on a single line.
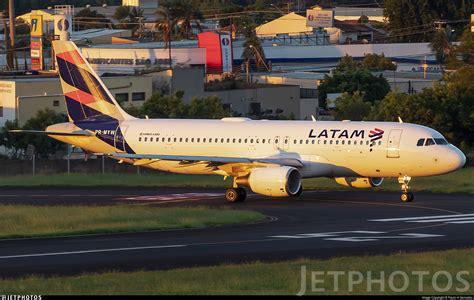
[[326, 149]]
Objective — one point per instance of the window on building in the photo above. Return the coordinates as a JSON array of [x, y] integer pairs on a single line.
[[308, 93], [138, 96], [56, 103], [1, 111], [121, 97]]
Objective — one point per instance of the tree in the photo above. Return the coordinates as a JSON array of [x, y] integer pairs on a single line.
[[165, 25], [207, 108], [121, 14], [412, 20], [441, 47], [463, 54], [184, 12], [351, 77], [44, 145], [253, 50], [447, 107], [351, 107], [162, 106], [173, 107], [17, 143], [87, 19], [375, 62]]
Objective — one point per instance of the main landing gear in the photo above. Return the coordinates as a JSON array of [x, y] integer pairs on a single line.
[[236, 195], [406, 195]]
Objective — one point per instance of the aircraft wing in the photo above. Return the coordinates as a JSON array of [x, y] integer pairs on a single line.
[[291, 162]]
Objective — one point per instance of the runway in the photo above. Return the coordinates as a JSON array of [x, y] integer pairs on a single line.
[[318, 224]]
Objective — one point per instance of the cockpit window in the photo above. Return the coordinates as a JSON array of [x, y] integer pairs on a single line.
[[429, 142], [440, 141], [420, 142]]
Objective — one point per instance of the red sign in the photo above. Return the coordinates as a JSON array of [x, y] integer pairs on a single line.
[[218, 51]]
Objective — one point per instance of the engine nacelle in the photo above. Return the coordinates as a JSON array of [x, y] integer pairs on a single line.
[[360, 182], [274, 181]]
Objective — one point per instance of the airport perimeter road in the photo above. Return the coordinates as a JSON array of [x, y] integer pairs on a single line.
[[319, 224]]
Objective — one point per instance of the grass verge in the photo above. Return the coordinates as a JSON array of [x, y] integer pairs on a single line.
[[37, 221], [274, 278], [457, 182]]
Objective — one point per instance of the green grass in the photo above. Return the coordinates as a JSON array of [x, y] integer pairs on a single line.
[[35, 221], [457, 182], [264, 278]]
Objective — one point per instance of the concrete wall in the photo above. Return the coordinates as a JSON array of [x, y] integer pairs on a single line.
[[285, 98]]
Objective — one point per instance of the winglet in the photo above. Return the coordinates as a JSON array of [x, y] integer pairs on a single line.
[[400, 120], [313, 118]]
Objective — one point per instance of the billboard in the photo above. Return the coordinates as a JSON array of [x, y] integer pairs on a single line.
[[36, 52], [226, 52], [319, 18], [36, 25], [219, 54], [62, 27]]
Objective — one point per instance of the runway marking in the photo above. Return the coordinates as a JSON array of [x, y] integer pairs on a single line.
[[172, 197], [447, 219], [366, 236], [90, 251]]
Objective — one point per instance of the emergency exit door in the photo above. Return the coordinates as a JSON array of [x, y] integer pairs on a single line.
[[393, 143]]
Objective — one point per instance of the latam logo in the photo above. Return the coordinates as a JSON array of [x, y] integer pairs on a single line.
[[63, 25], [225, 41], [375, 135]]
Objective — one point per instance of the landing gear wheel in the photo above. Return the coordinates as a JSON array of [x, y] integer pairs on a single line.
[[242, 194], [407, 197], [404, 184], [232, 195], [298, 193]]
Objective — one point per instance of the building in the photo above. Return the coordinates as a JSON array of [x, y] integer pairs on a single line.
[[21, 98]]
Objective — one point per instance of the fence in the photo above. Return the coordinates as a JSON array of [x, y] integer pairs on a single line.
[[46, 167]]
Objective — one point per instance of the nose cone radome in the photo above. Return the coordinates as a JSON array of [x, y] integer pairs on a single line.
[[456, 159]]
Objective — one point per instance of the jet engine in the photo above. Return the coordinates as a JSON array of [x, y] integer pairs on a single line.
[[274, 181], [360, 182]]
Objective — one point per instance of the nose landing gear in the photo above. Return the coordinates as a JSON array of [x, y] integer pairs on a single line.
[[406, 195]]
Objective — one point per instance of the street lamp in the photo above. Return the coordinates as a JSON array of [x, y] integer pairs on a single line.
[[273, 5]]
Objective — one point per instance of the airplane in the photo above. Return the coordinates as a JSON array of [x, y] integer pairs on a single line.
[[268, 157]]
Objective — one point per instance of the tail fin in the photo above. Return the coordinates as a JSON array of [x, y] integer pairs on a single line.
[[87, 98]]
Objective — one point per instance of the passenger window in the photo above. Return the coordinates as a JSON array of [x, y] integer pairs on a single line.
[[251, 141], [240, 141], [263, 141], [313, 142], [337, 142], [367, 142], [228, 140], [380, 143], [198, 140], [342, 142], [139, 139], [187, 140], [348, 142], [174, 140], [429, 142], [192, 140], [330, 142], [325, 142], [245, 141], [222, 141], [420, 142], [146, 139], [180, 140]]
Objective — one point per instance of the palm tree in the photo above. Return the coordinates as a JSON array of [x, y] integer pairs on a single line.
[[184, 13], [252, 47], [165, 24]]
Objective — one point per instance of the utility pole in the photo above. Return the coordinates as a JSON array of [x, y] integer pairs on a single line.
[[11, 15]]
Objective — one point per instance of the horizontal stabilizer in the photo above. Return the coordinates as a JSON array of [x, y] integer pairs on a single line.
[[74, 133]]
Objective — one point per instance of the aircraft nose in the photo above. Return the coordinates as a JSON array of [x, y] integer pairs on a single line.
[[457, 159]]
